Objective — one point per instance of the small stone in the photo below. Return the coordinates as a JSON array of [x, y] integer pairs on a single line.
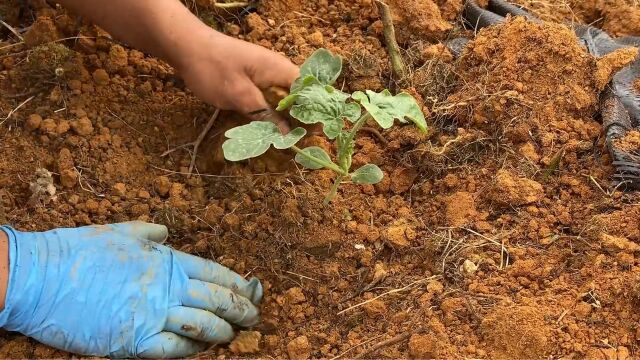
[[118, 59], [435, 287], [92, 206], [74, 199], [271, 341], [140, 209], [101, 77], [380, 272], [144, 194], [48, 126], [233, 29], [316, 39], [162, 185], [375, 308], [213, 214], [623, 353], [65, 160], [295, 296], [69, 178], [511, 190], [120, 189], [63, 127], [33, 122], [582, 309], [616, 244], [231, 222], [299, 348], [396, 236], [247, 342], [82, 126], [468, 267], [75, 85], [422, 346]]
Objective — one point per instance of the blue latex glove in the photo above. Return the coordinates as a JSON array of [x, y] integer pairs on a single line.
[[113, 291]]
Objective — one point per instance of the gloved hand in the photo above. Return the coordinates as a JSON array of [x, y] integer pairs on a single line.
[[114, 291]]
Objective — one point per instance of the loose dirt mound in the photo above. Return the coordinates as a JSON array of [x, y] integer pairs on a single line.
[[497, 234], [617, 17], [535, 84], [516, 332]]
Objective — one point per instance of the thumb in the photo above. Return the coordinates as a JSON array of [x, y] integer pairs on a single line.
[[254, 106]]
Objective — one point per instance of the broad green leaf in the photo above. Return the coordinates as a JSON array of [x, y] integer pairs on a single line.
[[291, 99], [322, 65], [367, 175], [384, 108], [315, 152], [326, 105], [252, 140]]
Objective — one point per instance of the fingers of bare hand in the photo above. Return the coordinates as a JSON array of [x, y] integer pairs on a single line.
[[270, 115], [273, 69], [250, 101]]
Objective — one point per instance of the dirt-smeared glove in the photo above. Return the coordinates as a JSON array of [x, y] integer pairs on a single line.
[[114, 291]]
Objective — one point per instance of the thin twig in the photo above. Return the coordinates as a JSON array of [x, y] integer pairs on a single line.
[[171, 172], [201, 137], [126, 123], [14, 31], [503, 250], [196, 143], [31, 92], [387, 293], [355, 347], [16, 109], [394, 340], [390, 40], [230, 5], [377, 134], [564, 313], [302, 276]]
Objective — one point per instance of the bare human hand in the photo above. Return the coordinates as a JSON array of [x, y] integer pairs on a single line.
[[223, 71], [230, 73]]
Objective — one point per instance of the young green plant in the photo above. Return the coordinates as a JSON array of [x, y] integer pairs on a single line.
[[313, 100]]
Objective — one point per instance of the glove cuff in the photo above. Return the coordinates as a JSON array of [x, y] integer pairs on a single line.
[[11, 283]]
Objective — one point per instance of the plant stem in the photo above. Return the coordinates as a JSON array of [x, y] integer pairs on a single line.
[[397, 64], [334, 189], [359, 124], [328, 165]]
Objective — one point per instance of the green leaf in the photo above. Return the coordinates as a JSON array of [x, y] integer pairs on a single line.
[[252, 140], [385, 108], [291, 99], [316, 152], [367, 175], [321, 65], [326, 105]]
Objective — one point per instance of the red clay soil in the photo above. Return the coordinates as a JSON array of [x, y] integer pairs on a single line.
[[617, 17], [499, 228], [630, 142]]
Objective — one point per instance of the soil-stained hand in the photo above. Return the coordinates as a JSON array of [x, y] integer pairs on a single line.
[[114, 291], [230, 73]]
